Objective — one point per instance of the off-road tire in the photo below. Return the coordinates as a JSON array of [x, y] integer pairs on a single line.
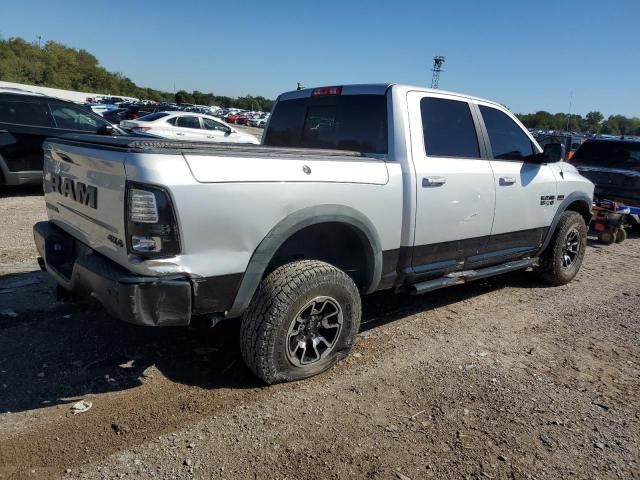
[[280, 296], [551, 269]]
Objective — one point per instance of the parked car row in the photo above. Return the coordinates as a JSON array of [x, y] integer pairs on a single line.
[[243, 117], [28, 118]]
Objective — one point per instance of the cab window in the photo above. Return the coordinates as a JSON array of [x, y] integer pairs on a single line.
[[508, 140], [448, 128]]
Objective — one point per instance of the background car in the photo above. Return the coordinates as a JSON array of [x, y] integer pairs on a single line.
[[26, 120], [115, 116], [188, 126], [232, 117]]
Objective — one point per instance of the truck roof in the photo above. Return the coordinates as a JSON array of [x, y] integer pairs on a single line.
[[379, 89]]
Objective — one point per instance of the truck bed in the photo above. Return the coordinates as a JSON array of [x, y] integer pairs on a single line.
[[138, 144]]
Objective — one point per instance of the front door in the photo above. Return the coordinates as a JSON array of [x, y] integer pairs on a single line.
[[215, 131], [455, 186], [525, 188]]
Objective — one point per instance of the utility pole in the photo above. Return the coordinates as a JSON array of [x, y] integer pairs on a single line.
[[39, 39], [570, 105], [438, 61]]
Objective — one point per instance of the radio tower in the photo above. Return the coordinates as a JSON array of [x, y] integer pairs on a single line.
[[437, 68]]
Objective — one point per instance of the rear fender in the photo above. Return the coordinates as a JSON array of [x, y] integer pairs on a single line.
[[289, 226]]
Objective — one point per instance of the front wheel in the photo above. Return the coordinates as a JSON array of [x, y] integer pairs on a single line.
[[561, 260], [302, 320]]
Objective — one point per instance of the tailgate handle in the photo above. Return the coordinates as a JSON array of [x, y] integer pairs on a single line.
[[64, 157]]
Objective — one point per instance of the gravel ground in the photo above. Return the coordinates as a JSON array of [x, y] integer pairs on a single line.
[[504, 378]]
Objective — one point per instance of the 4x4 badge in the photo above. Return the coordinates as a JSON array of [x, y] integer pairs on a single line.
[[547, 199]]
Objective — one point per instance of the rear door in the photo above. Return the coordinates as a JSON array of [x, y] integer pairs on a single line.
[[188, 128], [455, 185], [525, 188]]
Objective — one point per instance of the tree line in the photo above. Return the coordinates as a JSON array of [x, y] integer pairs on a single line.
[[592, 122], [58, 66]]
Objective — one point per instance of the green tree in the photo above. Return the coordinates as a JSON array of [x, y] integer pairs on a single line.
[[592, 121], [182, 96]]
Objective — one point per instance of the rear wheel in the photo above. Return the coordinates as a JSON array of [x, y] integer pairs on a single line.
[[561, 260], [302, 320]]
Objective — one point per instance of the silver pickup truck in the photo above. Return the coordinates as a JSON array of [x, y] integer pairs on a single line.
[[354, 189]]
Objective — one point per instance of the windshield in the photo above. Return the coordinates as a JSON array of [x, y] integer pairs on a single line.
[[620, 155], [337, 122]]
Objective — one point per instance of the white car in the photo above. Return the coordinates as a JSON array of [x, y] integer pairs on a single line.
[[194, 127]]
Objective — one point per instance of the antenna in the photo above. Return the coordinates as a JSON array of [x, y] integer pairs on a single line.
[[438, 61]]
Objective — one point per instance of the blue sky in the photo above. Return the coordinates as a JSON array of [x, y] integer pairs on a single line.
[[527, 55]]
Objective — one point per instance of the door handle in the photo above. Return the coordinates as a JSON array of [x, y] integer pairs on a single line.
[[507, 180], [210, 136], [181, 134], [433, 181]]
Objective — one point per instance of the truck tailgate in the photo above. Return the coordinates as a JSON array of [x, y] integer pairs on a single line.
[[85, 194]]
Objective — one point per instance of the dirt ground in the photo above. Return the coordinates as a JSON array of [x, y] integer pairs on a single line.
[[504, 378]]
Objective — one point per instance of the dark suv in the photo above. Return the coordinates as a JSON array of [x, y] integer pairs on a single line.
[[26, 119], [613, 165]]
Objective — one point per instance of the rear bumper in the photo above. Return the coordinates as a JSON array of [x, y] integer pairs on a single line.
[[149, 301]]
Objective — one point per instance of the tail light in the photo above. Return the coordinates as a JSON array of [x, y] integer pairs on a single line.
[[152, 226]]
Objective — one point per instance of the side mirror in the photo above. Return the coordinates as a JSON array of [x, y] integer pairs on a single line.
[[553, 152], [105, 130]]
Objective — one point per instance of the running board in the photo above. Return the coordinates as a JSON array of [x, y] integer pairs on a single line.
[[457, 278]]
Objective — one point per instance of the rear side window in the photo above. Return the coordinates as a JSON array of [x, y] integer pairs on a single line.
[[448, 128], [336, 122], [188, 122], [612, 154], [508, 140], [25, 113], [153, 116]]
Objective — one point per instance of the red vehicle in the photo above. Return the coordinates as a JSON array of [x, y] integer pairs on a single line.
[[232, 118], [243, 119]]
